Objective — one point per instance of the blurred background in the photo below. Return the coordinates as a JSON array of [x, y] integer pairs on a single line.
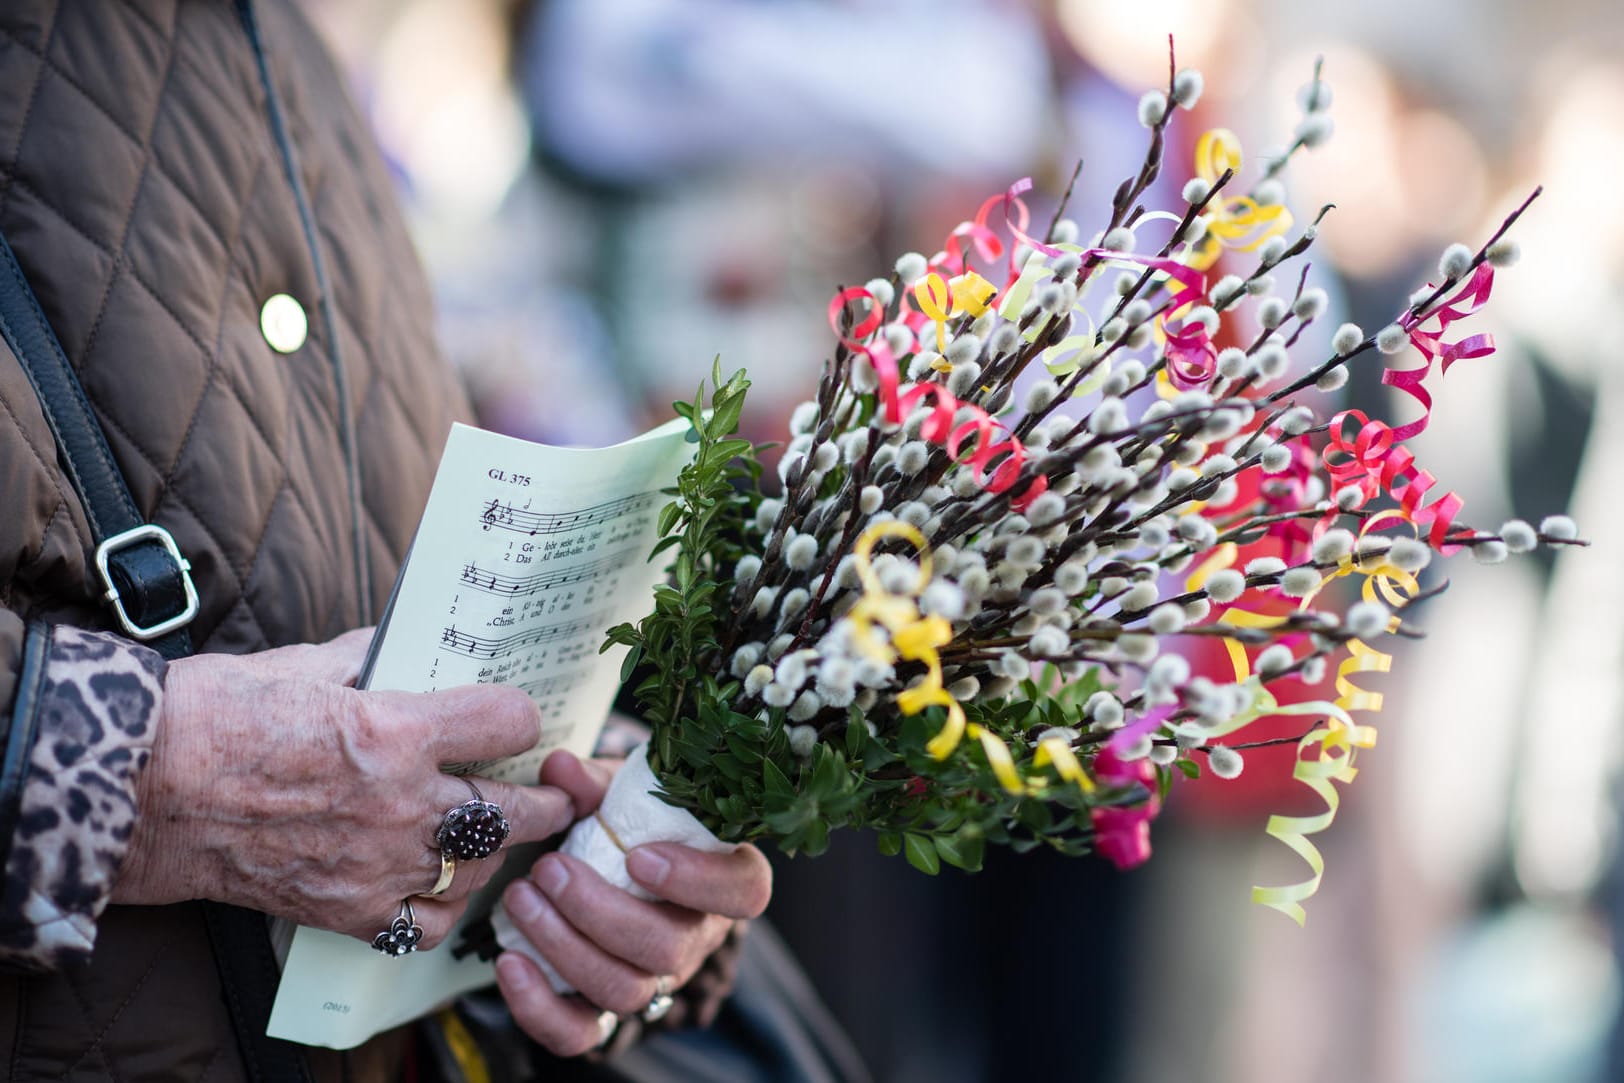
[[608, 195]]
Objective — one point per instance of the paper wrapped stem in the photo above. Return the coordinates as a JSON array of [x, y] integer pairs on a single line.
[[629, 816]]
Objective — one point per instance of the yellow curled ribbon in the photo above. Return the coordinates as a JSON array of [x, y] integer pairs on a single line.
[[1325, 755], [918, 638], [938, 300], [1237, 222]]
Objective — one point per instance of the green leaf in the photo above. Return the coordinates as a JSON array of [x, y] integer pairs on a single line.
[[962, 851], [856, 738], [777, 783], [743, 750], [633, 656], [922, 854], [726, 418], [817, 838], [890, 843], [668, 518], [1190, 768]]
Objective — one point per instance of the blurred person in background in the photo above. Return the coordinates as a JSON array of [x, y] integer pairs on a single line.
[[684, 207]]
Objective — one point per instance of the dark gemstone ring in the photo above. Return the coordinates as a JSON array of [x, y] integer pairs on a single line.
[[403, 934], [474, 829]]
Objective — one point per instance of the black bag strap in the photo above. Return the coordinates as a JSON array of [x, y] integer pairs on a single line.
[[149, 587], [146, 581]]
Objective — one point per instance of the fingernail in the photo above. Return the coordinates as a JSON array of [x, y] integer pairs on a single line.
[[514, 972], [647, 866], [523, 902], [552, 875]]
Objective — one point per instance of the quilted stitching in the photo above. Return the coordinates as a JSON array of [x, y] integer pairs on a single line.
[[171, 241], [167, 462], [152, 249]]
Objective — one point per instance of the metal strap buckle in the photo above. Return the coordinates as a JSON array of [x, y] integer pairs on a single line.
[[123, 541]]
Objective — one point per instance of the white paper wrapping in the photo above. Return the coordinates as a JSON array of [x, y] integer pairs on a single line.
[[635, 816]]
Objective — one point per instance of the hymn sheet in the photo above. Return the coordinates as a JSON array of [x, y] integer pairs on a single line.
[[526, 555]]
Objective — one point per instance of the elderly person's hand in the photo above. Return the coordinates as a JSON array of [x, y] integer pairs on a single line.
[[610, 945], [276, 785]]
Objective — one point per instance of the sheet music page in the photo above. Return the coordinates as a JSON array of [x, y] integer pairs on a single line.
[[526, 555]]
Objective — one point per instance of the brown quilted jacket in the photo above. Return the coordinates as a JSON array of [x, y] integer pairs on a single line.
[[154, 209]]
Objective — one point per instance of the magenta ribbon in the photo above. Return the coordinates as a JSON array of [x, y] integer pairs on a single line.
[[1146, 723], [1471, 297]]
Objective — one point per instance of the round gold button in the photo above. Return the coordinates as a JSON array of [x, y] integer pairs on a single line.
[[283, 323]]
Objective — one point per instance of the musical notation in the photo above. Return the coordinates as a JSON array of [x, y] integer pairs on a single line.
[[504, 516], [473, 646], [557, 683], [523, 586]]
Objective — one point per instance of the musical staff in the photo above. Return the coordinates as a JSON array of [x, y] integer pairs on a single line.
[[504, 516], [552, 686], [472, 646], [523, 586]]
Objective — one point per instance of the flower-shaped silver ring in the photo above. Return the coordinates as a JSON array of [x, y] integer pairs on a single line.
[[403, 934], [474, 829], [663, 1000]]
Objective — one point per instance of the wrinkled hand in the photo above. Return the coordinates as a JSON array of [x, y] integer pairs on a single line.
[[275, 785], [607, 943]]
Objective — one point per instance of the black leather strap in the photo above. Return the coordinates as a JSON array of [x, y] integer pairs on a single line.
[[151, 583], [17, 742]]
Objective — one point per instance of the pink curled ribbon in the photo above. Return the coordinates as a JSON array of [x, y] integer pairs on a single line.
[[1470, 298], [979, 442], [988, 245], [1375, 462]]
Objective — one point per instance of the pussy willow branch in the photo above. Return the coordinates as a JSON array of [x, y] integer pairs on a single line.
[[1420, 311]]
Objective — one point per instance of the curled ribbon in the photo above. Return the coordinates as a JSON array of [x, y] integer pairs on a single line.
[[979, 441], [1325, 755], [1471, 297], [937, 299], [1374, 462], [918, 638], [1192, 359], [1237, 222]]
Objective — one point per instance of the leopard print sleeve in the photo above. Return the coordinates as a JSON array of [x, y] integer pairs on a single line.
[[93, 726]]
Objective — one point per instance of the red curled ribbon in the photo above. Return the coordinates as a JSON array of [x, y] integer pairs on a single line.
[[1471, 297], [1375, 462], [980, 431]]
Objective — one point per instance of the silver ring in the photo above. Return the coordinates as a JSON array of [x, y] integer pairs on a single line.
[[474, 829], [448, 872], [608, 1022], [403, 934], [665, 985], [661, 1004]]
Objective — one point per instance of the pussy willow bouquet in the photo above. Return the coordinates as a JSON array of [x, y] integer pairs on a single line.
[[1034, 473]]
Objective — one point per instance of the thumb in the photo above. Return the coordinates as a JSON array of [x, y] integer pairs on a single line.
[[585, 781], [534, 812]]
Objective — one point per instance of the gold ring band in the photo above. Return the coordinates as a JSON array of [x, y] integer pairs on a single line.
[[448, 870]]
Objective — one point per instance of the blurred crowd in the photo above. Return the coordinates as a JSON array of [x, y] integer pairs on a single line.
[[610, 195]]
